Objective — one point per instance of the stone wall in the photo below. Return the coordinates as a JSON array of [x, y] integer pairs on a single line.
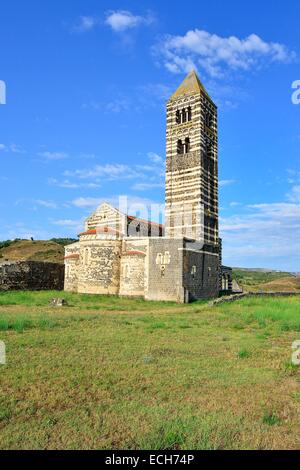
[[72, 254], [132, 282], [200, 274], [165, 270], [99, 267], [31, 275]]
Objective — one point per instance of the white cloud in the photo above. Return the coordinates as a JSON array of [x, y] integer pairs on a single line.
[[118, 105], [214, 54], [146, 186], [263, 235], [16, 148], [53, 155], [146, 176], [67, 184], [108, 171], [89, 202], [67, 222], [47, 204], [73, 226], [85, 23], [155, 158], [294, 194], [11, 148], [122, 20], [223, 183]]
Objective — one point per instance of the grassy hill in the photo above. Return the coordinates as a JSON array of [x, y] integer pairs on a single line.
[[39, 250], [261, 279]]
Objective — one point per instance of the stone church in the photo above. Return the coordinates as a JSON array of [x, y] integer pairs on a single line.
[[120, 254]]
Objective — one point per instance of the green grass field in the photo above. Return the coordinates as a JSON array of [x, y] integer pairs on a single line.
[[109, 373]]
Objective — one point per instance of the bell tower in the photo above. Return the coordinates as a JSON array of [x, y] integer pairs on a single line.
[[192, 165]]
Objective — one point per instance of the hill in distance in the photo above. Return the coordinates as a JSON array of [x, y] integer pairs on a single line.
[[51, 251], [266, 280]]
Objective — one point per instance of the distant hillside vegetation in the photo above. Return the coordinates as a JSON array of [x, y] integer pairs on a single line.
[[37, 250], [262, 279]]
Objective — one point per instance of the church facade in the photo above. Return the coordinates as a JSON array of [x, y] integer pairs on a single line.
[[120, 254]]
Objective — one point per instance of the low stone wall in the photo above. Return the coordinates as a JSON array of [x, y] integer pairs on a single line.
[[234, 297], [31, 275]]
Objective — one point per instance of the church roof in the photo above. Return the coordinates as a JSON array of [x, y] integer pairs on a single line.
[[148, 222], [191, 84], [72, 256], [100, 229]]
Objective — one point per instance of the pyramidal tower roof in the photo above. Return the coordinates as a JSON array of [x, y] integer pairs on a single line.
[[191, 84]]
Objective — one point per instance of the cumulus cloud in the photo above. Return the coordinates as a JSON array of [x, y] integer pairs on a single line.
[[148, 176], [214, 54], [263, 235], [122, 20], [85, 23], [119, 171]]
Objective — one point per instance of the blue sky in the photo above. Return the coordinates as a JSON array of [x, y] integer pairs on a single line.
[[84, 118]]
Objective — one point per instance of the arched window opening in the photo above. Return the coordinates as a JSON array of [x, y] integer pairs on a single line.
[[178, 117], [208, 119], [180, 147], [187, 145], [183, 112], [189, 112]]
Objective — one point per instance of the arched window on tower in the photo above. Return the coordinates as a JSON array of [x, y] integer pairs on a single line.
[[208, 119], [178, 117], [183, 112], [189, 112], [180, 147], [187, 145]]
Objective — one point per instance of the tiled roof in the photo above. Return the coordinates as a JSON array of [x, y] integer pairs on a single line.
[[94, 231], [149, 222], [134, 252], [73, 256]]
